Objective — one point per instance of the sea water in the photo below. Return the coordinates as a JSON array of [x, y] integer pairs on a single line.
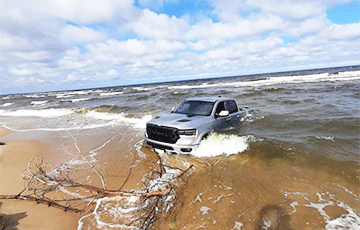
[[292, 164]]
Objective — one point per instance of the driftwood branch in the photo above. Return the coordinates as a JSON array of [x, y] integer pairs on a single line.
[[44, 200], [84, 158], [154, 196], [157, 196]]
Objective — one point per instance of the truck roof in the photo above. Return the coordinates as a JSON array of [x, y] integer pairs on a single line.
[[209, 99]]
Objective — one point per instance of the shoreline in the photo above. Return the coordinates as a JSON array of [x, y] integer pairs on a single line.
[[224, 191], [57, 149], [14, 158]]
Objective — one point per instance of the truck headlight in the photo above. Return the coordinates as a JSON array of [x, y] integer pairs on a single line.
[[187, 132]]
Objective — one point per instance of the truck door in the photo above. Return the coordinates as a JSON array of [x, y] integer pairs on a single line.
[[221, 123], [231, 106]]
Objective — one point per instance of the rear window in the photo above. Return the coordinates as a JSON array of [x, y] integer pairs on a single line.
[[231, 106]]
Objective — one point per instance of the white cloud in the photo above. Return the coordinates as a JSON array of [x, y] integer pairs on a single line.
[[40, 42], [109, 60], [309, 26], [228, 11], [159, 26], [242, 50], [33, 56], [19, 72], [238, 29], [80, 11], [315, 50], [292, 9], [205, 44], [9, 42], [134, 48], [169, 46], [74, 35], [342, 32]]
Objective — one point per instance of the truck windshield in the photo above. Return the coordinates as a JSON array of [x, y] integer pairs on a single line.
[[195, 108]]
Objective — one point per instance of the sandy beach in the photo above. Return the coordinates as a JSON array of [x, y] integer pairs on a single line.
[[18, 151], [14, 158]]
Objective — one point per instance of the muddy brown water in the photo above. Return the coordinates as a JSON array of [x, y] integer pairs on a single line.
[[264, 187], [245, 191]]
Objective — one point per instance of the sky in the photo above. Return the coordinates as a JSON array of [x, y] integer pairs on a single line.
[[75, 44]]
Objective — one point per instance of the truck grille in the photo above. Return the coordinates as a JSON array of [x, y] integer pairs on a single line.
[[162, 133]]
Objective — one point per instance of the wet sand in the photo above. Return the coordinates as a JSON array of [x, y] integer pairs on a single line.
[[14, 158]]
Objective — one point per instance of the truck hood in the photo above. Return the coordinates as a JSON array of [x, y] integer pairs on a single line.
[[180, 121]]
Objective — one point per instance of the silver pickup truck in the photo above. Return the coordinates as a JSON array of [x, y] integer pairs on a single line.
[[192, 121]]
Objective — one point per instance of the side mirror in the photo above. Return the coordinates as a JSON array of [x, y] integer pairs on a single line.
[[224, 113]]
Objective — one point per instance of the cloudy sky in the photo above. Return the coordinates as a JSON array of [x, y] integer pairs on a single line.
[[74, 44]]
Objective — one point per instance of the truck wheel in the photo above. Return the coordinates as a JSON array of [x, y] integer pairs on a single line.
[[205, 136]]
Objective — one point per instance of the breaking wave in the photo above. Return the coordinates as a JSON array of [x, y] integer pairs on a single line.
[[221, 144], [324, 77]]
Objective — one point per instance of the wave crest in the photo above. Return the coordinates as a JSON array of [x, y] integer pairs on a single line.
[[221, 144]]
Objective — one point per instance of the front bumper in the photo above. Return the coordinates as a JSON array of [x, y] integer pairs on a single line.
[[171, 148]]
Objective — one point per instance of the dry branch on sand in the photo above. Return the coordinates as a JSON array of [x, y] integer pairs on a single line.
[[40, 187]]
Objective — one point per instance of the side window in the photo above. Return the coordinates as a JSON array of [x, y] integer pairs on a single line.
[[220, 107], [231, 106]]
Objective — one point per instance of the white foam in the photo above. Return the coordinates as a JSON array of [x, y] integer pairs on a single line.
[[293, 205], [320, 208], [148, 88], [237, 225], [7, 104], [80, 92], [63, 95], [204, 210], [34, 95], [142, 88], [313, 78], [137, 122], [38, 102], [347, 190], [80, 99], [350, 73], [110, 211], [198, 198], [221, 144], [350, 220], [325, 138], [110, 94], [115, 211], [73, 127], [72, 93], [36, 113], [87, 120], [346, 221]]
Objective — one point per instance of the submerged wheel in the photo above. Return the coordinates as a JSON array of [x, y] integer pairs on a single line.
[[205, 136]]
